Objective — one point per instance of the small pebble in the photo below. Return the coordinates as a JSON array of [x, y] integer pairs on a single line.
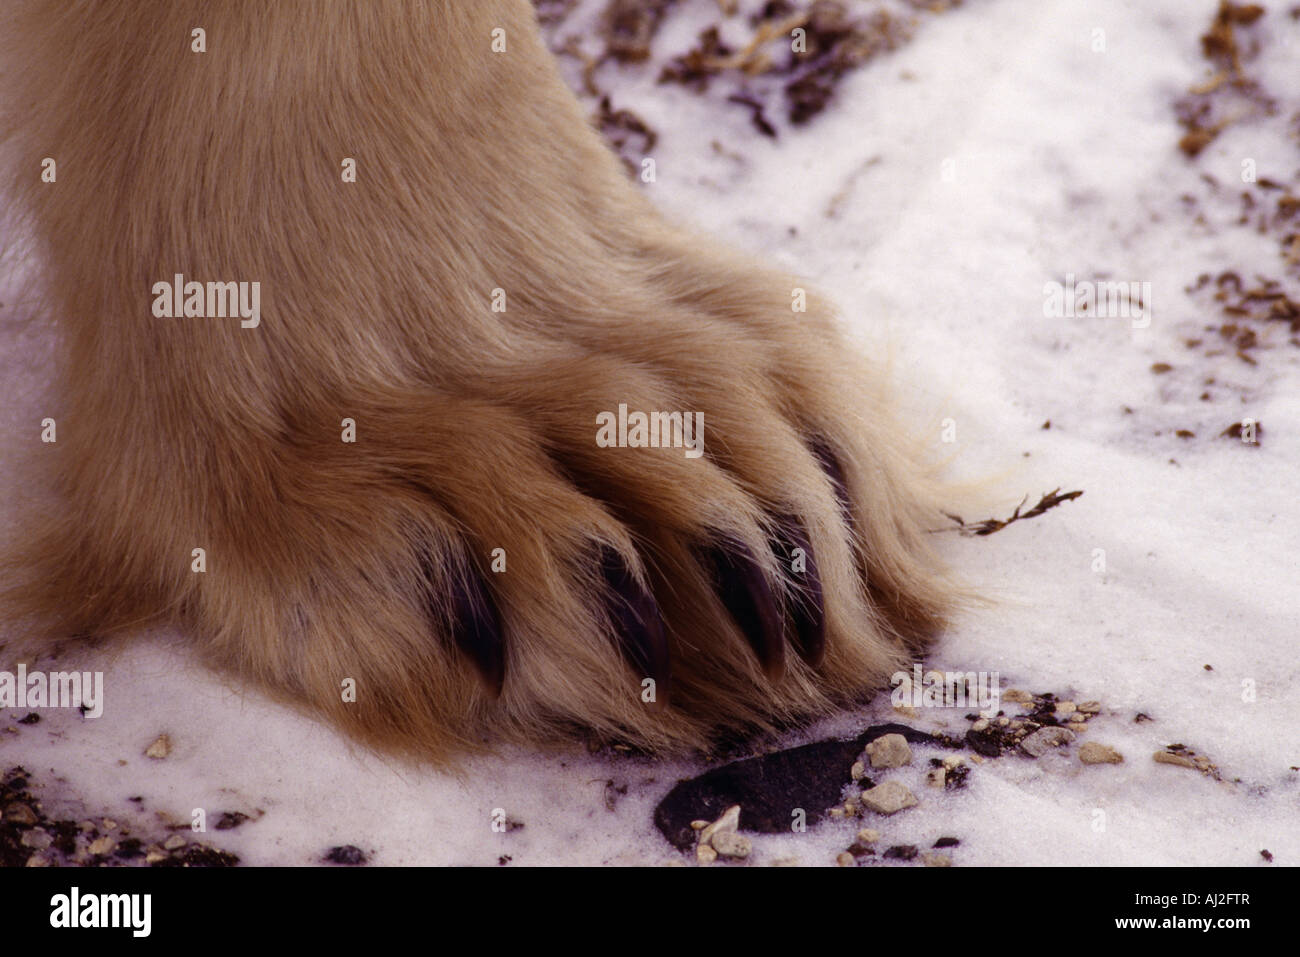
[[699, 825], [936, 860], [349, 855], [1090, 707], [888, 798], [889, 751], [858, 771], [1065, 707], [902, 852], [729, 821], [1003, 722], [37, 838], [953, 761], [105, 845], [154, 855], [731, 844], [1166, 757], [936, 777], [845, 859], [174, 843], [18, 813], [1094, 752], [868, 835], [1015, 694], [38, 860], [705, 854], [1045, 739], [981, 725], [161, 747], [171, 822]]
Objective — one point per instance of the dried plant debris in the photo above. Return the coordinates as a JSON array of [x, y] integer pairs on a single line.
[[626, 132], [30, 838], [696, 67], [837, 46], [1246, 433], [795, 51], [553, 11], [628, 27], [1229, 95], [1261, 314], [230, 820], [991, 525], [757, 116], [1258, 314], [613, 792], [792, 59]]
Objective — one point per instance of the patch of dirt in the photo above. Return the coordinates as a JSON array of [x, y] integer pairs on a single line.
[[1257, 313], [30, 838], [796, 54], [829, 779], [769, 787], [792, 60], [1229, 95]]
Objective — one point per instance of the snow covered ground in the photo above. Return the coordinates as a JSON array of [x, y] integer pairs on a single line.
[[943, 187]]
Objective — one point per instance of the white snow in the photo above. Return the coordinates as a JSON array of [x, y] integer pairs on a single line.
[[1064, 161]]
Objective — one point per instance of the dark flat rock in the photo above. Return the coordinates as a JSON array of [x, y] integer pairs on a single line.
[[769, 787]]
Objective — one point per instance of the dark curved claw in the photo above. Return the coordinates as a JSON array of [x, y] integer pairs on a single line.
[[807, 612], [475, 623], [638, 621], [740, 583], [830, 464], [477, 630]]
